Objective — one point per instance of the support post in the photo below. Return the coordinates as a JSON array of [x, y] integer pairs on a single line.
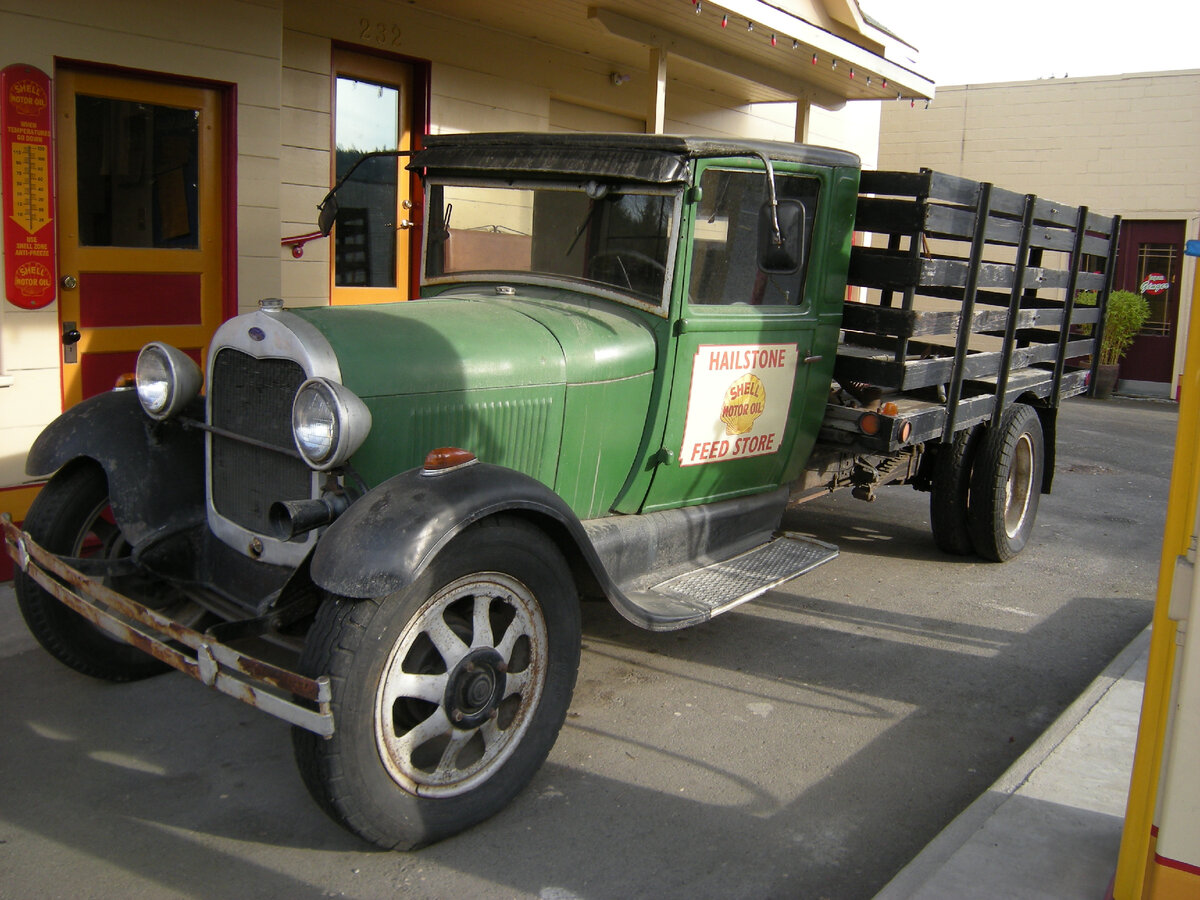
[[803, 119], [656, 106]]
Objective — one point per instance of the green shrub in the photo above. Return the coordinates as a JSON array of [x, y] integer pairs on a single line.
[[1124, 317]]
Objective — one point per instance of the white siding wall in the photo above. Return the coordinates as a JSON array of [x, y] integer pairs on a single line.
[[277, 54], [234, 41]]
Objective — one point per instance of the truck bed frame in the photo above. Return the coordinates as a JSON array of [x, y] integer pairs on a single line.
[[968, 304]]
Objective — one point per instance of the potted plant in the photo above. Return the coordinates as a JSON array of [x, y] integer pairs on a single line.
[[1124, 316]]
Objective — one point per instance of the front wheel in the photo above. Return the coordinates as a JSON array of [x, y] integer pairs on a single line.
[[1006, 483], [71, 517], [447, 695]]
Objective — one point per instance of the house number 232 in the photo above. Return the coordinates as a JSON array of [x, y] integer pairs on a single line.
[[379, 32]]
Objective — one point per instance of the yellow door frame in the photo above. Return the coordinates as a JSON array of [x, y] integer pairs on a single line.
[[208, 258]]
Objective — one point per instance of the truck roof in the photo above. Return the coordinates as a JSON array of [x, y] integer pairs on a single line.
[[651, 158]]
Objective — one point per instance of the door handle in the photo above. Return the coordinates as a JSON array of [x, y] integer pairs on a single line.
[[70, 337], [69, 282]]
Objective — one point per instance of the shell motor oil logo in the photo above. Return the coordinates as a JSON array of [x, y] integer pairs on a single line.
[[28, 98], [744, 402], [738, 402], [32, 279]]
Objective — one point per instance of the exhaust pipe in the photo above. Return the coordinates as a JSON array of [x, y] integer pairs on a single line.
[[291, 519]]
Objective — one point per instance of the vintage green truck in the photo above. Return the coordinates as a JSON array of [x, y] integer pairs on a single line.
[[630, 354]]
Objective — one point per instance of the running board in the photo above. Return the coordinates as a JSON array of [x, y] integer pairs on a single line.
[[696, 596]]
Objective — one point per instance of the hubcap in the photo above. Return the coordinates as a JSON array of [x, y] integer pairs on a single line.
[[461, 684], [1018, 487]]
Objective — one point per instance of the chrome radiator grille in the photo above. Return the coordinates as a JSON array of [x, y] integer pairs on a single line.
[[253, 397]]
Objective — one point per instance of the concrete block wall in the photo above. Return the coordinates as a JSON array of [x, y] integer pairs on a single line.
[[1120, 144]]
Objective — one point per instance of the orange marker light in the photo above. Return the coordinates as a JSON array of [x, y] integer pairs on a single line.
[[444, 458], [869, 423]]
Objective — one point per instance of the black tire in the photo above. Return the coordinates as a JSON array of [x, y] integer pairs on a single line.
[[70, 517], [950, 490], [430, 741], [1006, 483]]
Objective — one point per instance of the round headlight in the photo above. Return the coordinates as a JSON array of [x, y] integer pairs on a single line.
[[329, 422], [314, 419], [167, 379]]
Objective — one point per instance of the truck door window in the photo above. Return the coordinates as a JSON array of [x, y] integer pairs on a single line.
[[725, 239]]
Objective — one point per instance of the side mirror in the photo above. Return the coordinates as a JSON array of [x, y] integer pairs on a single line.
[[328, 213], [781, 251]]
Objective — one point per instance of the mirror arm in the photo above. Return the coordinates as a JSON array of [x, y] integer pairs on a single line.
[[776, 235], [358, 162]]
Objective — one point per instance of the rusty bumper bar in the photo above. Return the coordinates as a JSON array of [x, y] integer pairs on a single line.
[[261, 684]]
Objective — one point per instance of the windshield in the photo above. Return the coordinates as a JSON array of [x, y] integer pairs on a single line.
[[617, 238]]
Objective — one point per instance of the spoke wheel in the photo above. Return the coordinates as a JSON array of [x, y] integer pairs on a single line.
[[1006, 483], [460, 687], [448, 694]]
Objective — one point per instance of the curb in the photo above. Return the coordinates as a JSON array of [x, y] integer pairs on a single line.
[[967, 823]]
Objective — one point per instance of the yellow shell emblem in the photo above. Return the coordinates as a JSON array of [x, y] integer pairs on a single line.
[[744, 402]]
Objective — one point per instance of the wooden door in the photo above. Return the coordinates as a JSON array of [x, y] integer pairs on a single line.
[[372, 237], [141, 222], [1151, 254]]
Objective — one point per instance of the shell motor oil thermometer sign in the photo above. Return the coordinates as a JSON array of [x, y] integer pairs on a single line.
[[25, 131]]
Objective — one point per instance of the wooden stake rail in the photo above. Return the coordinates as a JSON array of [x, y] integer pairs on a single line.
[[971, 292]]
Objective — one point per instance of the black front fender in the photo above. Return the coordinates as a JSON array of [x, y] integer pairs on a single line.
[[155, 469], [387, 537]]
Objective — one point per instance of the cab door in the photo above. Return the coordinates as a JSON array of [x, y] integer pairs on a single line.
[[141, 230], [744, 346]]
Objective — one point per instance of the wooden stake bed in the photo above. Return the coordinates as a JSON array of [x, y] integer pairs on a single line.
[[968, 303]]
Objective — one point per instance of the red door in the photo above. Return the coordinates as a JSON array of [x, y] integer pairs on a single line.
[[1148, 264]]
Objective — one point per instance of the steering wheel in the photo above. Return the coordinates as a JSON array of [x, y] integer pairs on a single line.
[[614, 262]]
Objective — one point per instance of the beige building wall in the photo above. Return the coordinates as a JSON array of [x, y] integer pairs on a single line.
[[277, 56], [233, 41], [1122, 145]]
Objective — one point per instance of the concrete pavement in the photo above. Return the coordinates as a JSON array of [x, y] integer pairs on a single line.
[[1051, 825]]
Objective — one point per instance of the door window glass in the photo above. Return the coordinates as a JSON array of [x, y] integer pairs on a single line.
[[1156, 273], [725, 245], [137, 173], [366, 118]]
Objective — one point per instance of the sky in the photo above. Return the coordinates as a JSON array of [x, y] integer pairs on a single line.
[[977, 41]]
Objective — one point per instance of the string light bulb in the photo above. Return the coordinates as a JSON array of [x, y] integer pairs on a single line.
[[774, 42], [749, 25], [724, 21]]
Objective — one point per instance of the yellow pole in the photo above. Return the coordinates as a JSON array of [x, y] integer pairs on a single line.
[[1140, 809]]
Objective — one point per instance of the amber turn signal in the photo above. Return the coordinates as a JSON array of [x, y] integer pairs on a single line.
[[444, 458]]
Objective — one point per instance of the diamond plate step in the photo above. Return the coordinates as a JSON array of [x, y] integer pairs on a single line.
[[697, 596]]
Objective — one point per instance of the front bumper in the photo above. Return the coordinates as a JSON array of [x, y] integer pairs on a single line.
[[302, 701]]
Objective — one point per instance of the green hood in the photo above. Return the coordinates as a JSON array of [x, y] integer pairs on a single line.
[[476, 340], [545, 382]]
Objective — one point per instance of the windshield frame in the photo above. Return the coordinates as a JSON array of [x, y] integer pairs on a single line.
[[660, 307]]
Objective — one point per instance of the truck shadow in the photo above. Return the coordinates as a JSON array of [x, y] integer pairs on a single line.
[[754, 756]]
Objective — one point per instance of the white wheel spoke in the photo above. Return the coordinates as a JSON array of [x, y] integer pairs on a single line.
[[516, 682], [446, 768], [481, 622], [437, 724], [420, 687], [448, 644], [515, 630]]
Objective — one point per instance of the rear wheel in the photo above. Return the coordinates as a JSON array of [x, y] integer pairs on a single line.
[[1006, 483], [71, 517], [949, 492], [447, 695]]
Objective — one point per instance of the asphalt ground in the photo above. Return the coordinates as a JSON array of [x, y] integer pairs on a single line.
[[807, 745]]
